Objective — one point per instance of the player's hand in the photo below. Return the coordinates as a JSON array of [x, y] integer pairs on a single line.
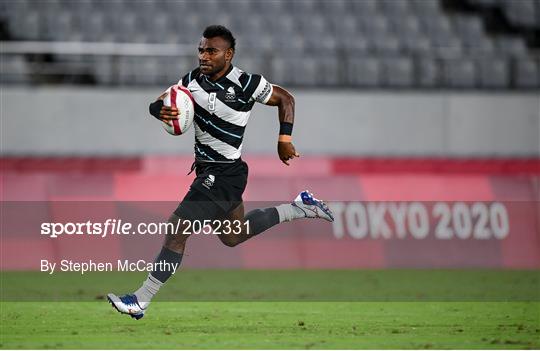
[[286, 151], [167, 114]]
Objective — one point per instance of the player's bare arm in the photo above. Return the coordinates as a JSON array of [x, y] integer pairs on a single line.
[[285, 103]]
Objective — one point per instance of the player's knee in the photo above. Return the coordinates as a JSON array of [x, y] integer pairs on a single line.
[[230, 243], [175, 225], [175, 236], [229, 240]]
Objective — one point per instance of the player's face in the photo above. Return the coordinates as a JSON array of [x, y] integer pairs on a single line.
[[215, 56]]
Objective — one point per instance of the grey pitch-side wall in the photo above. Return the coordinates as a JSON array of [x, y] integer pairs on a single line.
[[97, 121]]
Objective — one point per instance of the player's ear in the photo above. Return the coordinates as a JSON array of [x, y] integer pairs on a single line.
[[229, 54]]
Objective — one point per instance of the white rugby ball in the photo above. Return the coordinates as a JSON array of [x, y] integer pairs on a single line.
[[179, 97]]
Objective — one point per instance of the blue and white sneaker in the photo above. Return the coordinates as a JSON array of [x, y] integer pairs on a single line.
[[126, 304], [312, 207]]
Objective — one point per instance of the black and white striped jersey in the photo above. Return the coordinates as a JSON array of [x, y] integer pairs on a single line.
[[222, 110]]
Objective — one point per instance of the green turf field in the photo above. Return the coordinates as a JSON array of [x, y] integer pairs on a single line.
[[278, 309]]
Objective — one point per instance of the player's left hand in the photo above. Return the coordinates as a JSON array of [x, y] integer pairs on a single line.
[[286, 152]]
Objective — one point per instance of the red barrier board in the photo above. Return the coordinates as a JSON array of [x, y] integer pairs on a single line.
[[432, 213]]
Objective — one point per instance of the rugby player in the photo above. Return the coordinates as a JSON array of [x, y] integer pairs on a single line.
[[223, 97]]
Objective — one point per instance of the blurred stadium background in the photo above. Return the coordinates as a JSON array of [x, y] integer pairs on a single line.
[[417, 100], [433, 44]]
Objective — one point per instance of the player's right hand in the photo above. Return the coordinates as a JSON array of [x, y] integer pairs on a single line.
[[168, 113]]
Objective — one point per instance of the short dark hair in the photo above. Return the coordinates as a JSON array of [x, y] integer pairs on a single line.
[[220, 31]]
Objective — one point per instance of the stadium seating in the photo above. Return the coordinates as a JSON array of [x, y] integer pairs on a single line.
[[524, 13], [364, 43], [527, 73]]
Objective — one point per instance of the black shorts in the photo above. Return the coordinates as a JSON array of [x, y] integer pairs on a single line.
[[216, 191]]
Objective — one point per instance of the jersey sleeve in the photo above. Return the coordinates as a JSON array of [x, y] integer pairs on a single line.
[[260, 89], [185, 80]]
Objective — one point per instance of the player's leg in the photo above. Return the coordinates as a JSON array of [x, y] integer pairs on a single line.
[[194, 206], [259, 220], [237, 216], [165, 264]]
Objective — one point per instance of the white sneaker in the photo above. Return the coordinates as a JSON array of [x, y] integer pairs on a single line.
[[126, 304], [312, 207]]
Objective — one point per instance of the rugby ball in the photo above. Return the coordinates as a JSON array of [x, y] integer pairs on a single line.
[[179, 97]]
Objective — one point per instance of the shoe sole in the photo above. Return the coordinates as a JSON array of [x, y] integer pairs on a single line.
[[136, 316]]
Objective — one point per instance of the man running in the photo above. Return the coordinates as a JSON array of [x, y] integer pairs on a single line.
[[223, 97]]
